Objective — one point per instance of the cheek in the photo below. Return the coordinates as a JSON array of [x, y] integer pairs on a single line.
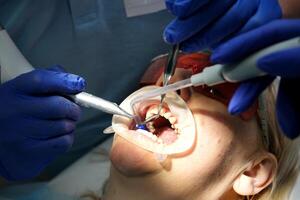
[[214, 140], [208, 160]]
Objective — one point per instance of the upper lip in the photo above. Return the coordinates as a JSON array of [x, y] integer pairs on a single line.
[[143, 108]]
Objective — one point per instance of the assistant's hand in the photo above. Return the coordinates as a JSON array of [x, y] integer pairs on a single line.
[[205, 23], [285, 64], [36, 121]]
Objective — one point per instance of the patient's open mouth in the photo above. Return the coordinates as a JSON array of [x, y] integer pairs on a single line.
[[172, 132], [164, 128]]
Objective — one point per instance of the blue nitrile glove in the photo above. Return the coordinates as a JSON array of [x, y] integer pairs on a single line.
[[204, 24], [285, 64], [36, 121]]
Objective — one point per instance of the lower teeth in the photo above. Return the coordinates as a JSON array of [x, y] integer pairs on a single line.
[[147, 134]]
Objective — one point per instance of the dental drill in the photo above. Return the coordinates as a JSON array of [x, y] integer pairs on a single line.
[[13, 64], [217, 74]]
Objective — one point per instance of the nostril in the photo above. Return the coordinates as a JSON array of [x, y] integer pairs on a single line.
[[185, 94]]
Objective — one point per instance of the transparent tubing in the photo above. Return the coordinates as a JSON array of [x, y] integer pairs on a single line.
[[157, 92]]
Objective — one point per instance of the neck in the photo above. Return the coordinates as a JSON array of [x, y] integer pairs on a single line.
[[152, 187], [135, 188]]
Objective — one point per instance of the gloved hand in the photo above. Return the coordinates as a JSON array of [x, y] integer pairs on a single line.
[[37, 121], [205, 23], [285, 64]]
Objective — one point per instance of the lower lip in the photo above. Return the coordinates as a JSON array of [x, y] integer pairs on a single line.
[[130, 160]]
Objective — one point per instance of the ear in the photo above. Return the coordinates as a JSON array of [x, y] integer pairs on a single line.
[[257, 176]]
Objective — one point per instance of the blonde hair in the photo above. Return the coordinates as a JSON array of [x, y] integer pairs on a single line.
[[284, 149]]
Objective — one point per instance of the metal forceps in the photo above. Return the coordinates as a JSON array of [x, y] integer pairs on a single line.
[[168, 73]]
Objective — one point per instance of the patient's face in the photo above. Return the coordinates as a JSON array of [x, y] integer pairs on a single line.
[[222, 146]]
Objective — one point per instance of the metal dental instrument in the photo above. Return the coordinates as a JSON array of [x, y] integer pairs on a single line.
[[168, 73], [89, 100], [170, 68], [13, 63], [216, 74]]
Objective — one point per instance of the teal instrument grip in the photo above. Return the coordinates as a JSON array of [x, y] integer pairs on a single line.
[[240, 71], [247, 68]]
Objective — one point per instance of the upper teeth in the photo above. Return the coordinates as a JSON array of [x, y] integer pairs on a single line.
[[150, 113], [167, 115], [172, 120], [164, 113], [153, 111]]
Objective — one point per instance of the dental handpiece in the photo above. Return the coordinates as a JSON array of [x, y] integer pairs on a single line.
[[217, 74], [88, 100], [13, 63]]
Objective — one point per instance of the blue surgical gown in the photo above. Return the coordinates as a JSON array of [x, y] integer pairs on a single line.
[[91, 38]]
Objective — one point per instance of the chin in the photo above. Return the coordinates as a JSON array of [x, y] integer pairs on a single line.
[[131, 160]]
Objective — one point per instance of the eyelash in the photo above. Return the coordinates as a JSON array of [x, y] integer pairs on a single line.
[[212, 92], [216, 92]]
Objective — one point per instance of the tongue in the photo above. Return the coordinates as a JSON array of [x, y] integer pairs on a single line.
[[166, 134]]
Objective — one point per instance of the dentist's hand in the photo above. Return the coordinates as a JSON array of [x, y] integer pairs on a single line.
[[36, 121], [205, 23], [285, 64]]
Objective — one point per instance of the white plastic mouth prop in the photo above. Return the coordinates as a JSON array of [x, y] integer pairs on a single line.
[[172, 133]]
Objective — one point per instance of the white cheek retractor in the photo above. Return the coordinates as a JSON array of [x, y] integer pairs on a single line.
[[185, 125]]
